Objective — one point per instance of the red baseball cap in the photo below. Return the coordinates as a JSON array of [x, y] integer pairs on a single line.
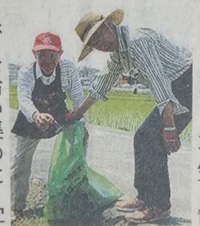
[[47, 41]]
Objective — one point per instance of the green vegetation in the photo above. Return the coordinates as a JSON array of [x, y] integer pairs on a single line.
[[13, 97], [123, 110], [31, 222]]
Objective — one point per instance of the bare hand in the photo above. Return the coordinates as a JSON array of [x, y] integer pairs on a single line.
[[171, 140], [43, 120]]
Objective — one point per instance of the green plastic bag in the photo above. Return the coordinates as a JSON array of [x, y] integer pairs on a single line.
[[75, 191]]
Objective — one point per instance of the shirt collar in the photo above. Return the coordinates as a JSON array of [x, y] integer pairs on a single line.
[[128, 65], [39, 73]]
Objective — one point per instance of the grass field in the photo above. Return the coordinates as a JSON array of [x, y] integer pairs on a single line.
[[123, 110]]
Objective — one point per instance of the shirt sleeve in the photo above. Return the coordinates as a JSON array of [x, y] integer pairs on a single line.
[[159, 83], [104, 82], [24, 89], [71, 83]]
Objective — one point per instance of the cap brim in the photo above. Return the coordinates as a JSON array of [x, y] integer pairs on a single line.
[[41, 47], [115, 17]]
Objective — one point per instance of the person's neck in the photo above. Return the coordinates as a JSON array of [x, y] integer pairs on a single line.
[[116, 37], [113, 29], [46, 74]]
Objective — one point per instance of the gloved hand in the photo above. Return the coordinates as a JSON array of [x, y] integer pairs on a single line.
[[171, 139], [42, 120]]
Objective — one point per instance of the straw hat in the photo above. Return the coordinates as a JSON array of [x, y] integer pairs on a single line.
[[89, 24]]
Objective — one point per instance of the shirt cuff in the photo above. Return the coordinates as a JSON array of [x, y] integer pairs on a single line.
[[177, 107], [97, 96], [29, 114]]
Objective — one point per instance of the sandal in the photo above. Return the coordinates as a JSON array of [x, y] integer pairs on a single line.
[[129, 205], [147, 215]]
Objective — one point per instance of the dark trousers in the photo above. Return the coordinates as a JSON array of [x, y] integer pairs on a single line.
[[151, 161]]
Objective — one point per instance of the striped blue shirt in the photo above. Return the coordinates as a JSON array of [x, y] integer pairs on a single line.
[[149, 58], [70, 82]]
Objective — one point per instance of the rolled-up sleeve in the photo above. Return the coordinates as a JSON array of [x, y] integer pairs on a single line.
[[24, 89], [104, 82], [159, 83]]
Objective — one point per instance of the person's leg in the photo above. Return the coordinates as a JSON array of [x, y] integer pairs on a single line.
[[151, 169], [151, 163], [151, 166], [20, 171]]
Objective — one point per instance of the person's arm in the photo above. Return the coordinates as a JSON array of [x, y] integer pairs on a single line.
[[84, 107], [100, 87], [25, 87], [169, 132], [167, 116]]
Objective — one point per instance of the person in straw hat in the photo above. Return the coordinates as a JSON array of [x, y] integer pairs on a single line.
[[166, 69]]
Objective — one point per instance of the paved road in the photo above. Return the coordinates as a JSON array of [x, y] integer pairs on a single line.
[[110, 153]]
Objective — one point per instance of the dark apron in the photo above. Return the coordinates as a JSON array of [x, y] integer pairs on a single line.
[[47, 99]]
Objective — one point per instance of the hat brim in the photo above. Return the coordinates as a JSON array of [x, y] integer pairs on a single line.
[[41, 47], [115, 17]]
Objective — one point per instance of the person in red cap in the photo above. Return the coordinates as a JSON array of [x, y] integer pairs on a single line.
[[42, 89], [166, 69]]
